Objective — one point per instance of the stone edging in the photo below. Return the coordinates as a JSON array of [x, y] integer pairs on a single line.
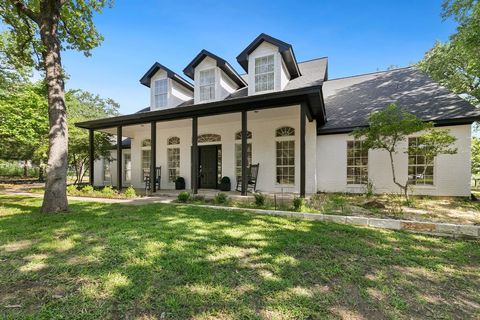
[[441, 229]]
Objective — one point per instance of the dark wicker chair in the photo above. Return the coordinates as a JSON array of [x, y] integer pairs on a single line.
[[252, 174]]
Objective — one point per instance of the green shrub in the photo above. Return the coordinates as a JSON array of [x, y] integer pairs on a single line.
[[87, 189], [221, 198], [318, 201], [183, 196], [72, 190], [299, 204], [130, 192], [259, 199], [369, 189], [107, 191]]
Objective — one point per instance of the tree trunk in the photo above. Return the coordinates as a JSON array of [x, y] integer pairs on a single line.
[[25, 169], [55, 197], [404, 188]]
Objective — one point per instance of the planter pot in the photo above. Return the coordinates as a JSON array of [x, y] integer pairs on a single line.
[[225, 184], [180, 184]]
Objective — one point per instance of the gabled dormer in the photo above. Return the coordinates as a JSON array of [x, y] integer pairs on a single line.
[[167, 89], [214, 78], [270, 64]]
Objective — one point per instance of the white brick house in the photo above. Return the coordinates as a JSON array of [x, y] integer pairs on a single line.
[[293, 121]]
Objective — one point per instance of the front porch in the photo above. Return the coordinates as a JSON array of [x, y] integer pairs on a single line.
[[231, 149]]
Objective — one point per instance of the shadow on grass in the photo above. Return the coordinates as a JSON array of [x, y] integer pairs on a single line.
[[176, 262]]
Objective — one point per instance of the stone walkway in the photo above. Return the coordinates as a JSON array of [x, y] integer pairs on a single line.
[[435, 228]]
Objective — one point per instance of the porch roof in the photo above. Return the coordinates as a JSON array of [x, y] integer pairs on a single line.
[[311, 96]]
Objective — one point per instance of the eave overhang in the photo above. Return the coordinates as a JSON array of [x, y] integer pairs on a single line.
[[145, 80], [285, 49], [310, 96], [189, 70], [436, 123]]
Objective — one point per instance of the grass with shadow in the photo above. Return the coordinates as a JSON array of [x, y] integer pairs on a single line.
[[175, 262]]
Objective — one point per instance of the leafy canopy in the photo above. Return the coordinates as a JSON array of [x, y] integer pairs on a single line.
[[389, 127], [456, 63], [76, 29]]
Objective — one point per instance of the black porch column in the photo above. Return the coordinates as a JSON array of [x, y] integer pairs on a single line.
[[194, 160], [244, 154], [91, 156], [153, 155], [119, 158], [302, 149]]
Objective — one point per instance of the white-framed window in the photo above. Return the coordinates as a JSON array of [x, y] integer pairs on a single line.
[[161, 93], [420, 170], [264, 73], [238, 152], [285, 155], [357, 162], [173, 158], [146, 156], [207, 85]]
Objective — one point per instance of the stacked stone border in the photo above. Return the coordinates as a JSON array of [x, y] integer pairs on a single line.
[[433, 228]]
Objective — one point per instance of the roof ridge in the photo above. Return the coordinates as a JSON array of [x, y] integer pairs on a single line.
[[309, 60], [369, 73]]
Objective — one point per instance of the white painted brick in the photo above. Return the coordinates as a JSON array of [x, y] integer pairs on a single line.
[[469, 231], [447, 228], [333, 218], [384, 223], [361, 221]]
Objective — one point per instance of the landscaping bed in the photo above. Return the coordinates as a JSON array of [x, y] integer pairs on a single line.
[[446, 210], [177, 262]]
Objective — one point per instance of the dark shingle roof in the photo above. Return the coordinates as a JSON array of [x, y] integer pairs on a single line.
[[349, 101]]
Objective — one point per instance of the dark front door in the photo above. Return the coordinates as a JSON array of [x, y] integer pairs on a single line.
[[208, 157]]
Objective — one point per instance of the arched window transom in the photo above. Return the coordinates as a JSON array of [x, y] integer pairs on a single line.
[[209, 137], [146, 143], [238, 135], [173, 141], [285, 132]]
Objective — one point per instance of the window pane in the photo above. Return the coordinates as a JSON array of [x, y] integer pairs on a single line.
[[357, 162], [207, 85], [418, 172], [264, 73]]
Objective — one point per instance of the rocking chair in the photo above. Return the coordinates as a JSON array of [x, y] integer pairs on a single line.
[[252, 174], [157, 178]]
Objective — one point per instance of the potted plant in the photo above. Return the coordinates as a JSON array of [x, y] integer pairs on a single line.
[[225, 184], [180, 183]]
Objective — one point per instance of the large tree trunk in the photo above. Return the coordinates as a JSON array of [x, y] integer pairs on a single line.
[[55, 198]]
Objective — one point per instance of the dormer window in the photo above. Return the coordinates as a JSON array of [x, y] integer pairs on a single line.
[[264, 74], [207, 85], [161, 93]]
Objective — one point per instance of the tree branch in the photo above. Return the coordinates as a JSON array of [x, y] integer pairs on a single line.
[[25, 10]]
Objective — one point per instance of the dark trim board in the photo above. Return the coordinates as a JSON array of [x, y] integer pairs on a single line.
[[189, 70], [436, 123], [309, 95]]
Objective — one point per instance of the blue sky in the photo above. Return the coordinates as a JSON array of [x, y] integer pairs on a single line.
[[357, 36]]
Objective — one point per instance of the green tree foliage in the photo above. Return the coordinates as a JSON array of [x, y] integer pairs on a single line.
[[38, 31], [456, 63], [84, 106], [475, 149], [390, 127], [23, 123]]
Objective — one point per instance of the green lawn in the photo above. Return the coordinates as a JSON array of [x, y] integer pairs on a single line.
[[175, 262]]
